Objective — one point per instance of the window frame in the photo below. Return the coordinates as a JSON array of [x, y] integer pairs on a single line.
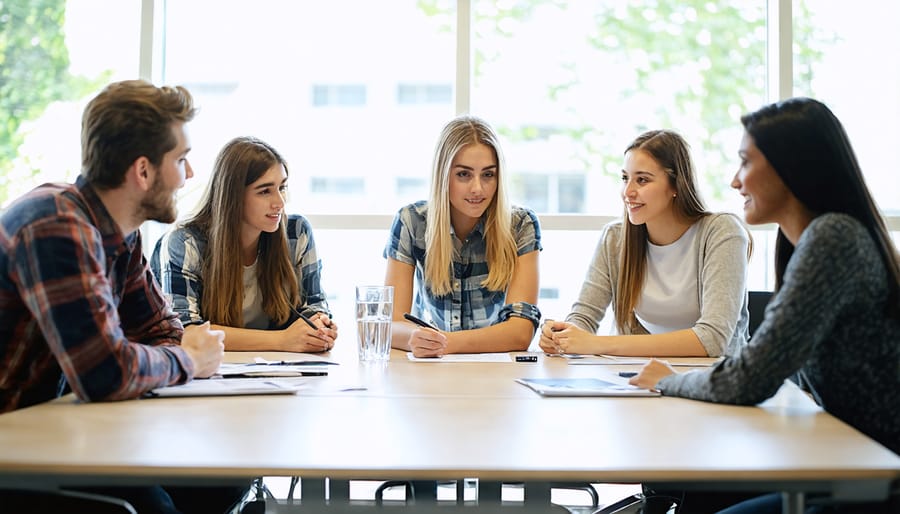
[[779, 69]]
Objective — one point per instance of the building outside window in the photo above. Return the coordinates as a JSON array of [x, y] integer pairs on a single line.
[[356, 107]]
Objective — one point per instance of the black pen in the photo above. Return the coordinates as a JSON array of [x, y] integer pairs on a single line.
[[419, 322], [306, 319], [298, 374], [295, 363]]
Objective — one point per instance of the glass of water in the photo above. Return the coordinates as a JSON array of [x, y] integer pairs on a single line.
[[374, 312]]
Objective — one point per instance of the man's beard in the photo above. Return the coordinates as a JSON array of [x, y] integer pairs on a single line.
[[159, 204]]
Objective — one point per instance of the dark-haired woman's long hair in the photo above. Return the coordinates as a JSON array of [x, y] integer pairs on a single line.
[[807, 146]]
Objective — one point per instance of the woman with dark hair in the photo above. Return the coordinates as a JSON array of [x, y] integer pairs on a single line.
[[673, 272], [834, 320], [243, 264]]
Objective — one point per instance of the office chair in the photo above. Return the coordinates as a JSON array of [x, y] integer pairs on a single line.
[[406, 484], [421, 490], [756, 304], [39, 501], [629, 504], [255, 502], [426, 490]]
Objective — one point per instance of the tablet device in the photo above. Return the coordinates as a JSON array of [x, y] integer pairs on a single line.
[[582, 387]]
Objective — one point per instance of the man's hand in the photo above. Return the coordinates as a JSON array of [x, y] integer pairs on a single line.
[[205, 347]]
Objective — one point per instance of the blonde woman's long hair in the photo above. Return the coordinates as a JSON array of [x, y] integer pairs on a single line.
[[672, 153], [501, 245], [241, 162]]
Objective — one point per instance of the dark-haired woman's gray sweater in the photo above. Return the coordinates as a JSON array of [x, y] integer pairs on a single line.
[[828, 322]]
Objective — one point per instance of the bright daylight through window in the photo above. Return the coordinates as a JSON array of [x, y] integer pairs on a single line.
[[356, 109]]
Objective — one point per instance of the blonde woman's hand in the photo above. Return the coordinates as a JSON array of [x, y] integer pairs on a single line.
[[425, 342], [651, 374]]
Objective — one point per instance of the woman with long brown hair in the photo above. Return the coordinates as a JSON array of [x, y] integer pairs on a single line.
[[673, 272], [245, 265]]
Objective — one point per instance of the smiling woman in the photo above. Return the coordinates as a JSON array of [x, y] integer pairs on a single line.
[[465, 259], [244, 265], [673, 272]]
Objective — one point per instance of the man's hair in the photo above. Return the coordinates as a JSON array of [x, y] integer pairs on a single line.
[[128, 120]]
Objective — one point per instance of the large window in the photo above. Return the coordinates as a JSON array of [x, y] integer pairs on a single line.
[[571, 83], [854, 68], [52, 58], [356, 105]]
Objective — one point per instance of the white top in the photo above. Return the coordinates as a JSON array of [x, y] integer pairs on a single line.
[[254, 317], [670, 298]]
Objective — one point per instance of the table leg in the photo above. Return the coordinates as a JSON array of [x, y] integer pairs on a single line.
[[793, 502]]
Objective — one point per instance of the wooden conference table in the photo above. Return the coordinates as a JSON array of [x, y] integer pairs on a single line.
[[440, 420]]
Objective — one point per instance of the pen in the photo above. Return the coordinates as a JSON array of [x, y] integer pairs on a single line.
[[419, 322], [627, 374], [306, 319], [296, 363], [292, 373]]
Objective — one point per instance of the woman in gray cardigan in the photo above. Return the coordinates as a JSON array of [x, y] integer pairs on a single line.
[[674, 273]]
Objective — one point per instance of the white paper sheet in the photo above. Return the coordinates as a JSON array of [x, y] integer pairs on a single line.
[[464, 357], [231, 386]]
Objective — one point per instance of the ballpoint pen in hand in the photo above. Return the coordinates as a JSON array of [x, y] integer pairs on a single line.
[[305, 318], [419, 322], [423, 324], [308, 321]]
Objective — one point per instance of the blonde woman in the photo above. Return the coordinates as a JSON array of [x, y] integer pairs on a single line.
[[465, 260], [673, 272], [243, 264]]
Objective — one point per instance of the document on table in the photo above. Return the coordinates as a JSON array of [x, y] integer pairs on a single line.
[[583, 387], [464, 357], [695, 362], [230, 387], [255, 369]]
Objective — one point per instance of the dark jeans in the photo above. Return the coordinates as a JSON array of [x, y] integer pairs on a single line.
[[658, 501], [771, 504]]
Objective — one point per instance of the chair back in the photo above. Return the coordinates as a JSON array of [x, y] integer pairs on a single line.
[[756, 304]]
